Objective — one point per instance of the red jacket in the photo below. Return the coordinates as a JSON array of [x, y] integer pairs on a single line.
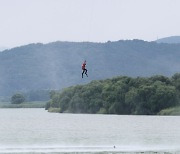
[[84, 66]]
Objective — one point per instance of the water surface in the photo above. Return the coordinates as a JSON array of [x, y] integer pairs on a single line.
[[36, 130]]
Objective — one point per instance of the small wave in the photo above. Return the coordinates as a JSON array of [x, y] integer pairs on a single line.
[[53, 149], [87, 150]]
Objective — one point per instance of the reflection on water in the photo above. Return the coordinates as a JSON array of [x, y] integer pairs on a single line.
[[36, 130]]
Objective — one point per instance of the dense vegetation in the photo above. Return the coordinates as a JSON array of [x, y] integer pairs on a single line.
[[58, 65], [120, 95], [17, 99]]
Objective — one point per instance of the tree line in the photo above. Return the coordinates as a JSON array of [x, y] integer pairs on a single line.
[[119, 95]]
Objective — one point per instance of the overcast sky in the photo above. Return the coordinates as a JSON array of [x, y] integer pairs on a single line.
[[31, 21]]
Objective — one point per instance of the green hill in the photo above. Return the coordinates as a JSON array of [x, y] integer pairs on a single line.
[[120, 95], [57, 65]]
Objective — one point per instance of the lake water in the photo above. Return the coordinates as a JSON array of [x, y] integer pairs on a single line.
[[37, 131]]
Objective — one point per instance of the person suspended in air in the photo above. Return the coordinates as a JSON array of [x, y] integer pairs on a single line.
[[84, 70]]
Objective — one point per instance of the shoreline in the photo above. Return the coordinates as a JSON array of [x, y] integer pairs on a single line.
[[87, 150], [97, 152]]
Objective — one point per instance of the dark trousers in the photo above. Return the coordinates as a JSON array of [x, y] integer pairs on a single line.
[[84, 71]]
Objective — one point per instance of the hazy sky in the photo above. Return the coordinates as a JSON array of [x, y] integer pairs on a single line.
[[30, 21]]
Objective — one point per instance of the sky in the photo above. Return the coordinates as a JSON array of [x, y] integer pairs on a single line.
[[31, 21]]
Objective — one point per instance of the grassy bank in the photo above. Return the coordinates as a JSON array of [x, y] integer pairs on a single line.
[[170, 111], [56, 110], [34, 104]]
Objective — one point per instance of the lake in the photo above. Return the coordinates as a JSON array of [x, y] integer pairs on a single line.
[[38, 131]]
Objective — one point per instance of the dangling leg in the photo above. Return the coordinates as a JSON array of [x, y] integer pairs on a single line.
[[82, 73], [86, 72]]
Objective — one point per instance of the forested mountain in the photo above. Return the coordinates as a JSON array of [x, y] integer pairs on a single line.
[[119, 95], [171, 39], [57, 65]]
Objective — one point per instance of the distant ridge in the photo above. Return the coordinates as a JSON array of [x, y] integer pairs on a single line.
[[3, 48], [57, 65], [170, 40]]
